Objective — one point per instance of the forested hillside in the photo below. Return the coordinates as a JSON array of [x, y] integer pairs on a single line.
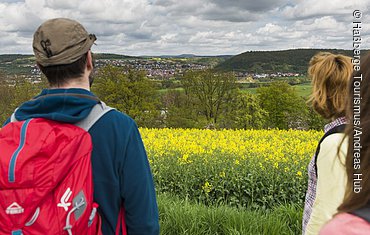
[[274, 61]]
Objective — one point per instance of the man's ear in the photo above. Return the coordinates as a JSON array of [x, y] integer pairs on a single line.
[[89, 61]]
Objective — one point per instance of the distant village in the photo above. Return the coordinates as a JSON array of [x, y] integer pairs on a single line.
[[155, 69], [161, 69]]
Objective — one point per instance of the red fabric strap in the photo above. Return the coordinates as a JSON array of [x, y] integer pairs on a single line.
[[121, 224]]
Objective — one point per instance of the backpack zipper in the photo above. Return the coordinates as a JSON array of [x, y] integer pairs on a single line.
[[15, 155]]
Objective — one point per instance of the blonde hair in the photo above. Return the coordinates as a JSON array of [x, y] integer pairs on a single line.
[[330, 76]]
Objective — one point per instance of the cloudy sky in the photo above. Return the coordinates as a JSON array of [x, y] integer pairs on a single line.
[[202, 27]]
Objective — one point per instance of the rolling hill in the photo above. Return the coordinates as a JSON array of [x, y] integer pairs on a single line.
[[274, 61]]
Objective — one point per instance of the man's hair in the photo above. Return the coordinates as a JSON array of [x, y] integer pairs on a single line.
[[59, 75], [330, 75]]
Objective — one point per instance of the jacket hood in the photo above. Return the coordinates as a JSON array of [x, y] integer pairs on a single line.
[[64, 105]]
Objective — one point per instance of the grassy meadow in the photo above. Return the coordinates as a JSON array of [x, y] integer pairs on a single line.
[[303, 90]]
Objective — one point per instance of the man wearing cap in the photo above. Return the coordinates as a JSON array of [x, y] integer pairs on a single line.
[[121, 172]]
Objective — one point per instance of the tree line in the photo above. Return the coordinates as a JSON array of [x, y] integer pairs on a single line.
[[202, 99]]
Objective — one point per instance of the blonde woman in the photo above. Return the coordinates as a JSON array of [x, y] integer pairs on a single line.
[[354, 213], [330, 74]]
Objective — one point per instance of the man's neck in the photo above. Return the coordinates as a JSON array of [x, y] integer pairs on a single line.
[[69, 86], [81, 83]]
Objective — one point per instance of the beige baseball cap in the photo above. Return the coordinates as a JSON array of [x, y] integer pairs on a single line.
[[61, 41]]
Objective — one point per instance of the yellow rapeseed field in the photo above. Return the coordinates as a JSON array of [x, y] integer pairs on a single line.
[[231, 166], [268, 146]]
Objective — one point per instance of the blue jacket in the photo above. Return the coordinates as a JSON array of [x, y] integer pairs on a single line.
[[121, 171]]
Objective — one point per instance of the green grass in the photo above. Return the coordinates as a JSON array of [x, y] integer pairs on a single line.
[[161, 91], [303, 90], [182, 217]]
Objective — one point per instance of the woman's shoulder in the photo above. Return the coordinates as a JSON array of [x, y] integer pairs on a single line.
[[346, 224]]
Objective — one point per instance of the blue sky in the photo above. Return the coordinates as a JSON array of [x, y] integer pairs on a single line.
[[202, 27]]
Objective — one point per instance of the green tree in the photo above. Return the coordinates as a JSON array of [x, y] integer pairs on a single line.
[[286, 109], [211, 91], [14, 91], [315, 121], [6, 101], [244, 112], [130, 92], [179, 112]]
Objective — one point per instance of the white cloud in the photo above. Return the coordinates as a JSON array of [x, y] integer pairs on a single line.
[[270, 29], [315, 8], [326, 24], [17, 18], [35, 5], [208, 27]]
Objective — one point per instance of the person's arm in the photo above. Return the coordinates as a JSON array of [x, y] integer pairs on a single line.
[[331, 182], [138, 193]]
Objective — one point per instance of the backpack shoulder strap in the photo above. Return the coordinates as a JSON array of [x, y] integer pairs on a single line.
[[338, 129], [95, 114], [363, 212], [12, 117]]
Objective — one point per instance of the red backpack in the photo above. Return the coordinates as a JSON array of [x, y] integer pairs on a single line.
[[46, 185]]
